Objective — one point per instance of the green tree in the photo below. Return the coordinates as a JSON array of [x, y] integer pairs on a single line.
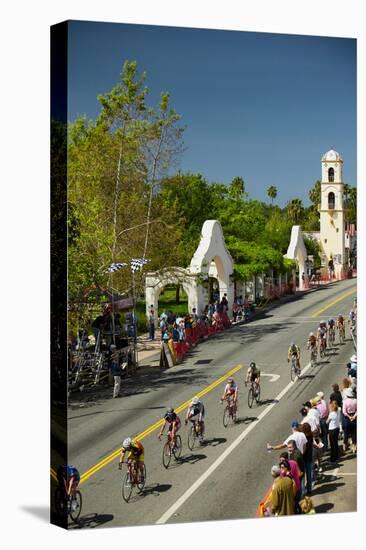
[[295, 211], [315, 194], [272, 192], [237, 187]]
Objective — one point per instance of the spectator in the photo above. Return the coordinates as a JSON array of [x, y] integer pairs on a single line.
[[306, 505], [311, 416], [116, 370], [152, 324], [337, 397], [194, 315], [333, 422], [175, 333], [295, 454], [224, 303], [97, 327], [296, 436], [350, 419], [308, 457], [283, 497], [323, 410], [293, 467]]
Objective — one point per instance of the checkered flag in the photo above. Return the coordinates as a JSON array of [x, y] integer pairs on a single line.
[[137, 263], [115, 266]]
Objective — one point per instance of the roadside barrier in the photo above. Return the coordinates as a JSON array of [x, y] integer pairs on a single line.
[[199, 332]]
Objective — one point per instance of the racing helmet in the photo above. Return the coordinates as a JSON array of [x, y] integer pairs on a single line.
[[230, 380], [195, 401], [252, 365], [311, 334], [127, 443]]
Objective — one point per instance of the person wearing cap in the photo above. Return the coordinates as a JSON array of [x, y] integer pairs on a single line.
[[349, 410], [291, 468], [323, 411], [296, 436], [283, 496]]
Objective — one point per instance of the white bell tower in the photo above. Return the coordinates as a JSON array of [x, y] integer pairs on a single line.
[[332, 224]]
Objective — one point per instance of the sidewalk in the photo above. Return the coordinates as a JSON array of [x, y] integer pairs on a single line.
[[336, 490]]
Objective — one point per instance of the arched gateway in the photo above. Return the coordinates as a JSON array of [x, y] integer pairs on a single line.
[[297, 251], [211, 259]]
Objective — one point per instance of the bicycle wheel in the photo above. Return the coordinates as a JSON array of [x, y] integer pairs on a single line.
[[75, 510], [167, 454], [258, 394], [60, 502], [141, 483], [177, 451], [192, 436], [226, 416], [293, 371], [250, 398], [127, 488]]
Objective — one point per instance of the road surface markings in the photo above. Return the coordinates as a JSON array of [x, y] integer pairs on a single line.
[[353, 291], [94, 469], [273, 377], [168, 514]]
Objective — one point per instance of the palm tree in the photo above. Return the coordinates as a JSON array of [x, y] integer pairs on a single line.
[[295, 210], [272, 192]]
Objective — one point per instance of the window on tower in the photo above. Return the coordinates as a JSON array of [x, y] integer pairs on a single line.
[[331, 174], [331, 201]]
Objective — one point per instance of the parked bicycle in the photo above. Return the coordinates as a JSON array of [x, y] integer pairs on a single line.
[[230, 412], [254, 394], [133, 480], [170, 449]]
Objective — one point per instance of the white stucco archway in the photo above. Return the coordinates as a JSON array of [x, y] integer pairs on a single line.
[[297, 251], [211, 259]]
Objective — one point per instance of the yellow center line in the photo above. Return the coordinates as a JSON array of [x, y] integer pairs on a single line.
[[353, 291], [94, 469]]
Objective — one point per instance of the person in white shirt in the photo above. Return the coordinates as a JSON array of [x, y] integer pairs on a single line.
[[333, 422], [297, 436]]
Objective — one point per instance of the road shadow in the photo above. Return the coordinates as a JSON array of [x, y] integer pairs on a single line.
[[323, 508], [91, 521], [155, 489], [191, 459], [246, 419], [268, 401], [214, 441], [327, 487]]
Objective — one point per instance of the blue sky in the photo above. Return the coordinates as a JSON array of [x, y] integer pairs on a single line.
[[257, 105]]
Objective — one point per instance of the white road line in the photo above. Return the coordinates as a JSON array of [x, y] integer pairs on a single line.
[[168, 514]]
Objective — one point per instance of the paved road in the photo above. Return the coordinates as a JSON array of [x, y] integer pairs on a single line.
[[227, 477]]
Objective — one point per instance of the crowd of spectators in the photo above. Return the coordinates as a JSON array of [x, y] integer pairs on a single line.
[[326, 430], [173, 326]]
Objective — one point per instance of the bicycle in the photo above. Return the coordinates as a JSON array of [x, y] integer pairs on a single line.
[[341, 333], [331, 338], [170, 450], [295, 370], [194, 434], [64, 504], [313, 356], [322, 348], [230, 412], [132, 480], [254, 393]]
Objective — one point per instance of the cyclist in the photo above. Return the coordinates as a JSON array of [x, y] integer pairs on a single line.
[[254, 376], [294, 351], [196, 411], [311, 342], [322, 335], [68, 478], [135, 451], [331, 327], [172, 419], [340, 322], [231, 391]]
